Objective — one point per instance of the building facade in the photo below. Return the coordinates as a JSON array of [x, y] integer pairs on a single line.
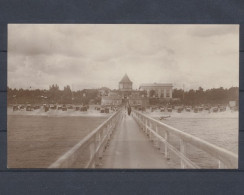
[[137, 98], [112, 99], [160, 90], [126, 95]]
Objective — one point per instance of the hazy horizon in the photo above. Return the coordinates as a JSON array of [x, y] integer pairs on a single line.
[[98, 55]]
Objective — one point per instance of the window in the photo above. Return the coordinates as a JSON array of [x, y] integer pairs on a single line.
[[156, 93], [167, 93], [162, 93]]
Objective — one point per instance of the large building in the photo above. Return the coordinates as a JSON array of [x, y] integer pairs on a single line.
[[161, 90], [125, 89], [126, 95]]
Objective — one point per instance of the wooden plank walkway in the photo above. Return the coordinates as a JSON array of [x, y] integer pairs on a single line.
[[130, 148]]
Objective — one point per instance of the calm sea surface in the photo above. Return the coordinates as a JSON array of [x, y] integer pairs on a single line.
[[220, 129], [221, 132]]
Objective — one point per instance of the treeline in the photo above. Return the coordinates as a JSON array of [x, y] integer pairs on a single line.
[[53, 95], [209, 96], [86, 96]]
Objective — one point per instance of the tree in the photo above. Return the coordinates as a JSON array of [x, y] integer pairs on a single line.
[[67, 95], [152, 93], [54, 93], [178, 93]]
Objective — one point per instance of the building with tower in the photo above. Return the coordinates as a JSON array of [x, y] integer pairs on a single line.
[[125, 84], [126, 95], [125, 89]]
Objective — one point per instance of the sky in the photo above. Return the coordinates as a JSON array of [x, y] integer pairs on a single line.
[[98, 55]]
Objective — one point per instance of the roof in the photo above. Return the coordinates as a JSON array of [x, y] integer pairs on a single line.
[[104, 88], [125, 79], [156, 85], [111, 98]]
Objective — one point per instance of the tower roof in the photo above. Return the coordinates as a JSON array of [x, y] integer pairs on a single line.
[[125, 79]]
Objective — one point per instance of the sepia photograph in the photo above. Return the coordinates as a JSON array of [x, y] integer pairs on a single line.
[[123, 96]]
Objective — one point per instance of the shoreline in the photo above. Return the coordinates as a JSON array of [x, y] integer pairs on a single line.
[[58, 113]]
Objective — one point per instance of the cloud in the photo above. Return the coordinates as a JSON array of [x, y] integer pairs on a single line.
[[92, 56]]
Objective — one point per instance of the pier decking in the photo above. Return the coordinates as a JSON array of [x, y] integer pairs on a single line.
[[130, 148]]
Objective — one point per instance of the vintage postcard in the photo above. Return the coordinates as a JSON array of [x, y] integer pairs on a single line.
[[123, 96]]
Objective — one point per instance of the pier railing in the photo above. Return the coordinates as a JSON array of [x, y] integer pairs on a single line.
[[159, 133], [87, 152]]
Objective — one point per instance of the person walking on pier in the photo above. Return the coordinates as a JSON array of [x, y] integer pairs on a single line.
[[129, 110]]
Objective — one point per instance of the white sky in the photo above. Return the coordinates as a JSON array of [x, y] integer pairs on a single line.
[[96, 55]]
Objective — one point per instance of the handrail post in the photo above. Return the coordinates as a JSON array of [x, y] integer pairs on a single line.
[[106, 135], [100, 152], [92, 153], [146, 128], [161, 147], [144, 124], [166, 152], [103, 146], [182, 151], [108, 132], [150, 131], [156, 140], [97, 144], [141, 122]]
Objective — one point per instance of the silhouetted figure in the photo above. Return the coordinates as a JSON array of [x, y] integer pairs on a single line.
[[129, 110]]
